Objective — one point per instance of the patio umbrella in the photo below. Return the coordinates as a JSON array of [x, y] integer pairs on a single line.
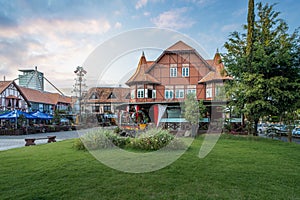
[[16, 114], [41, 115]]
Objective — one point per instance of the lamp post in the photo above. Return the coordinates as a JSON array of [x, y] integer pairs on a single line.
[[80, 72]]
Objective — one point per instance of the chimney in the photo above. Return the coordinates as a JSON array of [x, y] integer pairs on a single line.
[[3, 78]]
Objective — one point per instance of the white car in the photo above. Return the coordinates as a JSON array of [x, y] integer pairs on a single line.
[[296, 131], [262, 128]]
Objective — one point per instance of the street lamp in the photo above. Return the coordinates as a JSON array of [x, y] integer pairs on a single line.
[[80, 72]]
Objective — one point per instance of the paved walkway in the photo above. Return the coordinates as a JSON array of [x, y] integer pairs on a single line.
[[17, 141]]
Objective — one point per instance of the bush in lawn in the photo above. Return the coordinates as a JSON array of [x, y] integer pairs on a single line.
[[117, 140], [151, 140], [78, 144], [117, 130], [100, 139], [155, 139], [97, 139]]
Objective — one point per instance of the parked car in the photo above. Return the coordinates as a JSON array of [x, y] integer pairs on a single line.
[[296, 131], [262, 128], [278, 129]]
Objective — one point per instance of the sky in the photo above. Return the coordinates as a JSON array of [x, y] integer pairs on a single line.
[[59, 35]]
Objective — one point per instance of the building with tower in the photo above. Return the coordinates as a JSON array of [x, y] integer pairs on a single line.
[[32, 79]]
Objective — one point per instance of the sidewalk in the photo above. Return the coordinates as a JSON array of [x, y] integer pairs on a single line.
[[17, 141]]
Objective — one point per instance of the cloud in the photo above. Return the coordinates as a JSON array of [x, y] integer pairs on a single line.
[[202, 3], [140, 3], [146, 14], [230, 27], [173, 19], [49, 44], [118, 25]]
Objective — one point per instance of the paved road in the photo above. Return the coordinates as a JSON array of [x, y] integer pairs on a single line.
[[16, 141], [283, 138]]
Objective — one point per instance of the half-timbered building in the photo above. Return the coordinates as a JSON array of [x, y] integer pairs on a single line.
[[14, 97], [103, 100], [165, 82], [11, 97]]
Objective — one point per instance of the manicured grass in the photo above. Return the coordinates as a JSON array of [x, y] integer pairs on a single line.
[[237, 168]]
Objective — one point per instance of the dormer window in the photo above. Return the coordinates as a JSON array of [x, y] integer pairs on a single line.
[[94, 96], [112, 96]]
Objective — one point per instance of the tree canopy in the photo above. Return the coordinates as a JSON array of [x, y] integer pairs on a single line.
[[265, 65]]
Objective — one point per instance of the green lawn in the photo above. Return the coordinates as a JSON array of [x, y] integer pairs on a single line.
[[237, 168]]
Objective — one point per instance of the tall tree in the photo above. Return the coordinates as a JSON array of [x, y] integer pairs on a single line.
[[267, 73], [250, 31]]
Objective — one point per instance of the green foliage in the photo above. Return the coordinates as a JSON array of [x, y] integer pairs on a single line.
[[250, 28], [117, 129], [154, 139], [118, 141], [151, 140], [78, 144], [21, 120], [193, 109], [265, 65], [97, 139], [56, 117]]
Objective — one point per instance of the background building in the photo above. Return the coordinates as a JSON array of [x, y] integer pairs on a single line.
[[32, 79]]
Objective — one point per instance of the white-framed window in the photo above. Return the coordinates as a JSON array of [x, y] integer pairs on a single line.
[[169, 94], [188, 91], [179, 93], [173, 70], [185, 70], [132, 94], [153, 94], [209, 90], [140, 93]]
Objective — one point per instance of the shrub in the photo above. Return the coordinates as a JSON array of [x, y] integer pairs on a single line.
[[150, 140], [117, 130], [100, 139], [117, 140], [97, 139], [155, 139], [78, 144]]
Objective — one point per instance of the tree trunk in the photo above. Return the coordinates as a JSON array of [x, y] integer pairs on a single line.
[[194, 130], [255, 128], [289, 129]]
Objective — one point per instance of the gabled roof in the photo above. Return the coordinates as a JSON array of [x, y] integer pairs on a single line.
[[5, 84], [104, 94], [180, 46], [140, 76], [44, 97], [219, 72]]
